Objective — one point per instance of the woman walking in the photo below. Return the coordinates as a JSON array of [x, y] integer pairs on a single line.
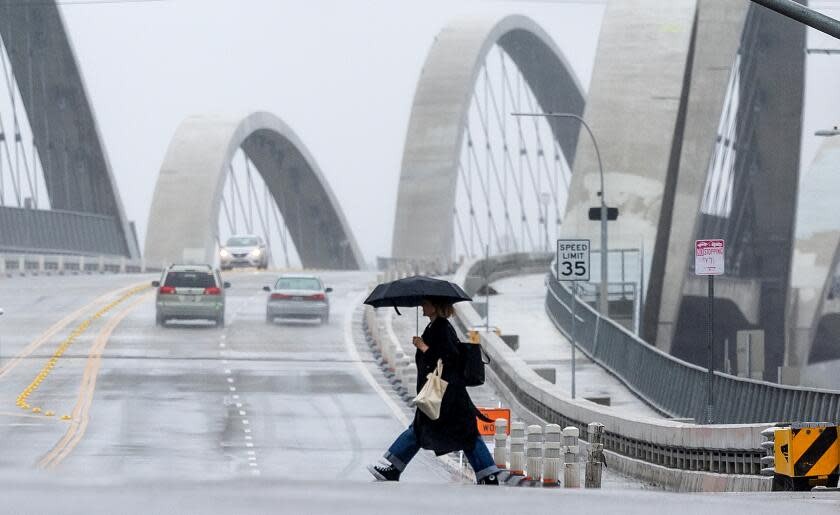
[[456, 429]]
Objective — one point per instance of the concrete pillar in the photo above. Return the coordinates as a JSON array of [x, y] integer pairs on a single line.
[[500, 441], [571, 476], [534, 452], [517, 448], [552, 455]]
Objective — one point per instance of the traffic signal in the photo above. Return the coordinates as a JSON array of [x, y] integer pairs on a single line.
[[595, 213]]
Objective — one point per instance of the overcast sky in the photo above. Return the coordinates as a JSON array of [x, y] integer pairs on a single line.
[[342, 73]]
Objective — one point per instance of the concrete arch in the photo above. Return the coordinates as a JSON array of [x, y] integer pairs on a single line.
[[816, 252], [87, 214], [185, 208], [429, 174]]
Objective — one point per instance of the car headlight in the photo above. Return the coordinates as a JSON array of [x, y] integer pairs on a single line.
[[224, 253], [256, 252]]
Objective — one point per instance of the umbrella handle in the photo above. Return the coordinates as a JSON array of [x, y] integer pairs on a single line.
[[417, 321]]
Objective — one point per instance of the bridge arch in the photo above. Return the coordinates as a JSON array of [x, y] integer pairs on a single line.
[[429, 171], [185, 208]]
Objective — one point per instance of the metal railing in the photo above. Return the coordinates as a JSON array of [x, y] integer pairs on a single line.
[[675, 387]]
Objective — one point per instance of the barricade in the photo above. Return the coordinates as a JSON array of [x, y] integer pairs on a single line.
[[500, 441], [595, 460], [517, 448], [534, 452], [552, 455], [571, 476]]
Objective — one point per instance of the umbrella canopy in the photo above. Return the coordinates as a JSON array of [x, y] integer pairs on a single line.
[[410, 292]]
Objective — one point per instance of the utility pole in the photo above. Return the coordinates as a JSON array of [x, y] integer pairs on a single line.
[[803, 14]]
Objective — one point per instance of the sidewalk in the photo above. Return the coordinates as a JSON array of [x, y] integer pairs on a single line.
[[519, 308]]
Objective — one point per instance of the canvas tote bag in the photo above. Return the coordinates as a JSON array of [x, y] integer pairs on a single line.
[[431, 395]]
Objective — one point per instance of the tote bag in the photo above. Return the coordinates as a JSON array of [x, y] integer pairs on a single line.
[[431, 395]]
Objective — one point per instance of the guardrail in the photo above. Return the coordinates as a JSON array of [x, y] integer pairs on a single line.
[[43, 264], [675, 387]]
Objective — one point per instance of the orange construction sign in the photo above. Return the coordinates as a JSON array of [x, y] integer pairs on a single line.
[[489, 428]]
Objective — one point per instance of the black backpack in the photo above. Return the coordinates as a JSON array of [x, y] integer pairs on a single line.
[[472, 359]]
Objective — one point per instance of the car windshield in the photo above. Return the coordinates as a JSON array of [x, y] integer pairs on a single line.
[[297, 283], [242, 242], [190, 280]]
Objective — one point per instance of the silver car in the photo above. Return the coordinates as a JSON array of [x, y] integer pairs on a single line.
[[244, 251], [298, 296], [190, 292]]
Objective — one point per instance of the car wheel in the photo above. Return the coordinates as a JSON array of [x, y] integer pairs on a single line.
[[220, 320], [160, 320], [325, 319], [269, 319]]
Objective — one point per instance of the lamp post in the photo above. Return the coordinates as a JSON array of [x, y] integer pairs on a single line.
[[545, 198], [603, 300]]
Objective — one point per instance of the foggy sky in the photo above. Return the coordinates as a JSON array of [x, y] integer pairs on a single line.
[[341, 73]]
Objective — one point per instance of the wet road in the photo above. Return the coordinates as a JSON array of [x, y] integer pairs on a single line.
[[102, 412], [191, 401]]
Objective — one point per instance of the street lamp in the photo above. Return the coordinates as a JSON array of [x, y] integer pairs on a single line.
[[603, 301], [545, 198], [828, 133]]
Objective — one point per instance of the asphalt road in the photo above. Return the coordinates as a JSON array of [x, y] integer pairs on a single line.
[[102, 412], [188, 401]]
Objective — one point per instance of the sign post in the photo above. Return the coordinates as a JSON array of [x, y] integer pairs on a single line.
[[573, 265], [709, 261]]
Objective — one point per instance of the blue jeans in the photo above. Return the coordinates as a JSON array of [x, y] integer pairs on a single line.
[[405, 447]]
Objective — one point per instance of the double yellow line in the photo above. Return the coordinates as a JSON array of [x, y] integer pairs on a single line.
[[23, 398], [81, 412]]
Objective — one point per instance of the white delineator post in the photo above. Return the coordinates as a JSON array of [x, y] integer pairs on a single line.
[[500, 440], [517, 448], [571, 475], [552, 455], [595, 461], [534, 438]]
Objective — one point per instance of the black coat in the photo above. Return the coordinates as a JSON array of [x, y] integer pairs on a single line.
[[456, 429]]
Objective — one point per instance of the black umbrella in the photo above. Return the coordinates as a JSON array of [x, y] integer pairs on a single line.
[[410, 292]]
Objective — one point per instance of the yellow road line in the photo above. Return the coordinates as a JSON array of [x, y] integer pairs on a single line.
[[23, 397], [58, 326], [81, 412]]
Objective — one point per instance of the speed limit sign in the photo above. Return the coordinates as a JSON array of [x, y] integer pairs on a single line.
[[573, 260]]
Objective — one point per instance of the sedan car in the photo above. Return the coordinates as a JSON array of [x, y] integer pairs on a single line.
[[298, 296], [244, 251]]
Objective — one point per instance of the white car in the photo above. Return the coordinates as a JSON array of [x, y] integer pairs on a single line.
[[244, 251], [298, 296]]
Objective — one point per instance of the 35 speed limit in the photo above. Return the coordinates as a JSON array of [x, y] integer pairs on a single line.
[[573, 260]]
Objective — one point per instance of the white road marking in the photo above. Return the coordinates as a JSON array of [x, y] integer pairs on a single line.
[[229, 379], [232, 388], [242, 412], [222, 345], [247, 430], [238, 404], [227, 371], [249, 437], [248, 444], [252, 453], [245, 421], [235, 397]]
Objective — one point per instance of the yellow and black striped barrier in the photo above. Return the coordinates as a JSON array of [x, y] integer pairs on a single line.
[[804, 455]]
